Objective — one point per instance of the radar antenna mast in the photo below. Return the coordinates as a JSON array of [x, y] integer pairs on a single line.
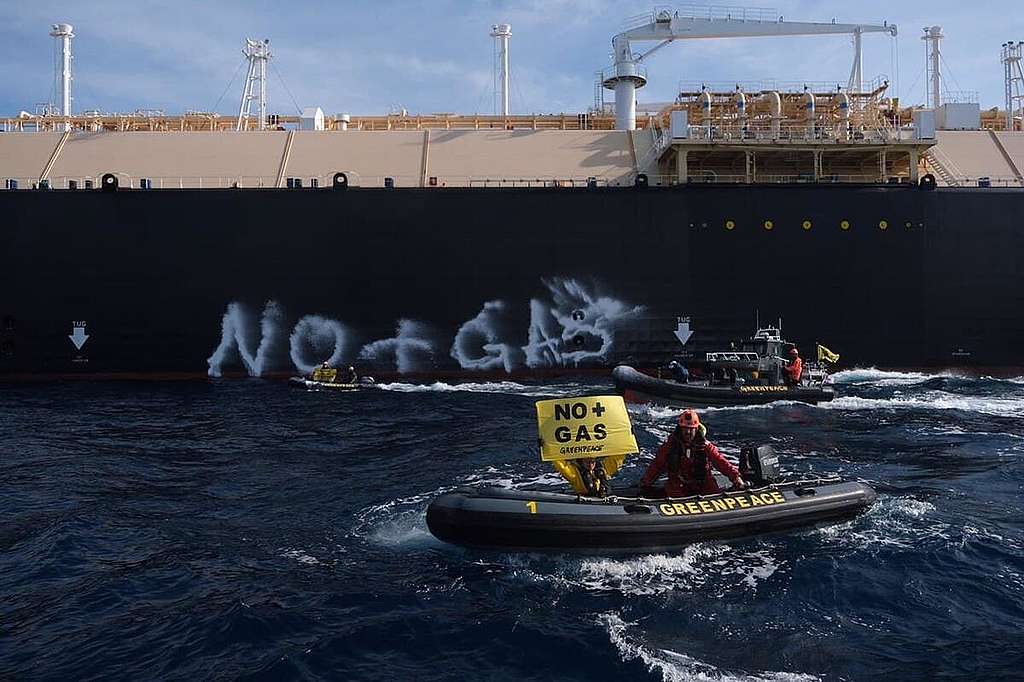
[[1014, 82], [258, 54]]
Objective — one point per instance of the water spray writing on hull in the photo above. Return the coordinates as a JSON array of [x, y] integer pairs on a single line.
[[572, 327], [409, 348]]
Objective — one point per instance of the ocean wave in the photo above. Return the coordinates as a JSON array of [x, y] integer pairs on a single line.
[[300, 556], [395, 522], [934, 400], [508, 387], [673, 666], [654, 412], [714, 568], [694, 567], [504, 479], [402, 520], [872, 375], [895, 522]]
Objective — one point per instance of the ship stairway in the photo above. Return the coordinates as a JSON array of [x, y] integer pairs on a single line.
[[661, 140], [944, 167]]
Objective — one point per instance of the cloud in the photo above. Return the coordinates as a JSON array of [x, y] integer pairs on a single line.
[[436, 56]]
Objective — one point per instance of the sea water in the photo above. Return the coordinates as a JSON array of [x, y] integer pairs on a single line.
[[244, 529]]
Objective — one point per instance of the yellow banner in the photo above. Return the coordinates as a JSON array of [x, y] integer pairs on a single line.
[[578, 428], [825, 355]]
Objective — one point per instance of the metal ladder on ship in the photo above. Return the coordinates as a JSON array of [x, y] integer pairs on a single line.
[[943, 167]]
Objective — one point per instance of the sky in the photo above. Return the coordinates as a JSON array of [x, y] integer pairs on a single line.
[[367, 58]]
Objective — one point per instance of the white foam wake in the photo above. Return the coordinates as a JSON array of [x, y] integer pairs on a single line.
[[902, 523], [652, 412], [401, 521], [695, 567], [673, 666], [881, 377], [509, 387], [934, 400], [931, 400]]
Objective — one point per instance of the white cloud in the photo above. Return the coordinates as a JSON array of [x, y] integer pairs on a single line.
[[436, 56]]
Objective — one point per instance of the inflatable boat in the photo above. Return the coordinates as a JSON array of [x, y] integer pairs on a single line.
[[525, 520], [314, 385], [638, 387]]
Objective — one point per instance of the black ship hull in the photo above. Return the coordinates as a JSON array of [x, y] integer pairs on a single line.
[[268, 282]]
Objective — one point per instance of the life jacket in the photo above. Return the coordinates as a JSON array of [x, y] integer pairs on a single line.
[[585, 482], [699, 465], [596, 481], [324, 374]]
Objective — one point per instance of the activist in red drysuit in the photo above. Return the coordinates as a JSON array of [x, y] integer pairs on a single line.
[[687, 458], [794, 369]]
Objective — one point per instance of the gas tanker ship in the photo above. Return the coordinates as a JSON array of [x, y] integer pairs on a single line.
[[260, 244]]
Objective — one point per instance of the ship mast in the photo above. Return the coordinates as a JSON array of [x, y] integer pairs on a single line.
[[932, 37], [1014, 81], [501, 34], [258, 54], [62, 65]]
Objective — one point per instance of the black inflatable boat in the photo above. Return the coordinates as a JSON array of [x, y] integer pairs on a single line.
[[639, 388], [314, 385], [497, 518]]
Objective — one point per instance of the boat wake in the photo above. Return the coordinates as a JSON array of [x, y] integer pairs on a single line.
[[507, 387], [673, 666], [932, 400], [881, 377], [402, 521], [902, 523], [976, 402], [694, 568]]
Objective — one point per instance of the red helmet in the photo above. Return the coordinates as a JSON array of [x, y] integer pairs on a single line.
[[689, 419], [794, 352]]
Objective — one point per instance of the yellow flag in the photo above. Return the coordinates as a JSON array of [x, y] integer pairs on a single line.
[[825, 355], [578, 428]]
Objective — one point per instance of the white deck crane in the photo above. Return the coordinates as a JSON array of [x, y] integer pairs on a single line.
[[712, 22]]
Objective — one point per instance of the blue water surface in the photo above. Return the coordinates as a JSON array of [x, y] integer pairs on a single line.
[[242, 529]]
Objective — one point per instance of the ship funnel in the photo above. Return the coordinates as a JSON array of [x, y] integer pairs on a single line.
[[62, 34]]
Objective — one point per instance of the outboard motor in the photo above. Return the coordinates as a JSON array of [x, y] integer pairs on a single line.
[[759, 466]]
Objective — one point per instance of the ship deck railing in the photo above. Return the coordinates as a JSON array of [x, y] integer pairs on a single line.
[[761, 134], [127, 181], [691, 10], [695, 177]]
